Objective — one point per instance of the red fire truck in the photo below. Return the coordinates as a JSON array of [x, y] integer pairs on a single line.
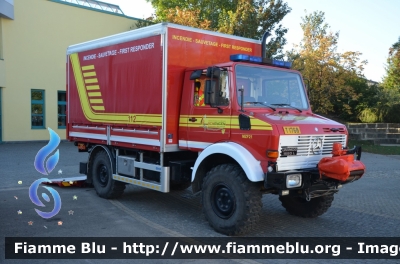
[[167, 106]]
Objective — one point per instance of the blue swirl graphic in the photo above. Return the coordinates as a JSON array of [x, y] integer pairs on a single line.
[[45, 151], [35, 199]]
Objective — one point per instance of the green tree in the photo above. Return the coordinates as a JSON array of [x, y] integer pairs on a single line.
[[187, 17], [365, 106], [207, 9], [331, 74], [245, 18], [387, 99], [382, 102], [392, 79]]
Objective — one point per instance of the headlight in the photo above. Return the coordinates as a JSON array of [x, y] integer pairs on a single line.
[[293, 180]]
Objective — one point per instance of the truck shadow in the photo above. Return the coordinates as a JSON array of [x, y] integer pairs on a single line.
[[181, 211]]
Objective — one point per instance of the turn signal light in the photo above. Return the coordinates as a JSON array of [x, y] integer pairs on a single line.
[[272, 154]]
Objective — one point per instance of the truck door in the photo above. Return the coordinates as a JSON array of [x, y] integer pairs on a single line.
[[208, 124]]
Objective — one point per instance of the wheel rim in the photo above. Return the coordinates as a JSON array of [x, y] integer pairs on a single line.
[[102, 174], [223, 201]]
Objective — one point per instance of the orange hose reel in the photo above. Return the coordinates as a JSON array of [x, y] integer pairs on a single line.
[[340, 165]]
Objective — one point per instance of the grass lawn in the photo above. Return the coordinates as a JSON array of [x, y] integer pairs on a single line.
[[371, 148]]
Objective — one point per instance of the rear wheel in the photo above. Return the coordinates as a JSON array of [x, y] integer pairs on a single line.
[[309, 209], [231, 203], [103, 182]]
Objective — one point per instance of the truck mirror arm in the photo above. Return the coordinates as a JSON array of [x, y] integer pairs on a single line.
[[220, 110], [357, 150]]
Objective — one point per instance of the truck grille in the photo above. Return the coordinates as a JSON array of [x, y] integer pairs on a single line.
[[300, 152], [318, 145]]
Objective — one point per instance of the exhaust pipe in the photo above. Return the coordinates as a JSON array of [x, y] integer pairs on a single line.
[[263, 48]]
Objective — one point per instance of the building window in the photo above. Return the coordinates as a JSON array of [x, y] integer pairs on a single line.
[[1, 39], [37, 103], [61, 109]]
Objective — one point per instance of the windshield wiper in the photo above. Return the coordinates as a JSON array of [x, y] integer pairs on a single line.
[[261, 104], [289, 106]]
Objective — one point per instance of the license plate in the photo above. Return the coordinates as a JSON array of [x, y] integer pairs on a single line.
[[288, 151], [293, 130]]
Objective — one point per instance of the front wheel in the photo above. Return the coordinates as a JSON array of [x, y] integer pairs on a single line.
[[104, 184], [231, 203], [309, 209]]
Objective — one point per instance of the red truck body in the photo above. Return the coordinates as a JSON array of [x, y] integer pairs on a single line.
[[167, 106], [135, 87]]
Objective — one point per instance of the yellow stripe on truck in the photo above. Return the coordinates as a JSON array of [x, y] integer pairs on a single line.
[[99, 108], [92, 87], [115, 118], [91, 80], [96, 101], [86, 68], [256, 124], [89, 74], [94, 94]]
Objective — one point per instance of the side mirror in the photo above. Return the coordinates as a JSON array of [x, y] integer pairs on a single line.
[[213, 72], [210, 93], [196, 74]]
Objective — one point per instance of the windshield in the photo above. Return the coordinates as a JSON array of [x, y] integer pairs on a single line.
[[264, 86]]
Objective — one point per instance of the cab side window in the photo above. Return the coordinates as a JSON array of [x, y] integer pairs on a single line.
[[221, 90], [223, 96], [199, 92]]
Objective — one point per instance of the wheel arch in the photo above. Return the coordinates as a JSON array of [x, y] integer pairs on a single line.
[[227, 152], [96, 149]]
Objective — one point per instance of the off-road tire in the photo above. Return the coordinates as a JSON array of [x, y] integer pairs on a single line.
[[308, 209], [103, 182], [241, 197]]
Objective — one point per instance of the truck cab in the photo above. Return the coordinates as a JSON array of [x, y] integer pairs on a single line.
[[256, 115]]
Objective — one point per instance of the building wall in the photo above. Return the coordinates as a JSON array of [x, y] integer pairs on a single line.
[[34, 52], [2, 64]]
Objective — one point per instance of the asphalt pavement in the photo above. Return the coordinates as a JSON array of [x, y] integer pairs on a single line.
[[366, 208]]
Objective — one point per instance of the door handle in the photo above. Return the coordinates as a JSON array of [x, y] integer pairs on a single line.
[[192, 119]]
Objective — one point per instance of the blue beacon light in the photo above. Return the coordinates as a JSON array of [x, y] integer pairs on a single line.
[[255, 59]]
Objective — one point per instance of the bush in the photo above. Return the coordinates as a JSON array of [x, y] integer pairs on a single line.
[[368, 115], [393, 114]]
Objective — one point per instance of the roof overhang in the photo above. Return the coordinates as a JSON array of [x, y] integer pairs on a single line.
[[7, 9]]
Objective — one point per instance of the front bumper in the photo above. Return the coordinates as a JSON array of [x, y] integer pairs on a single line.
[[311, 179]]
